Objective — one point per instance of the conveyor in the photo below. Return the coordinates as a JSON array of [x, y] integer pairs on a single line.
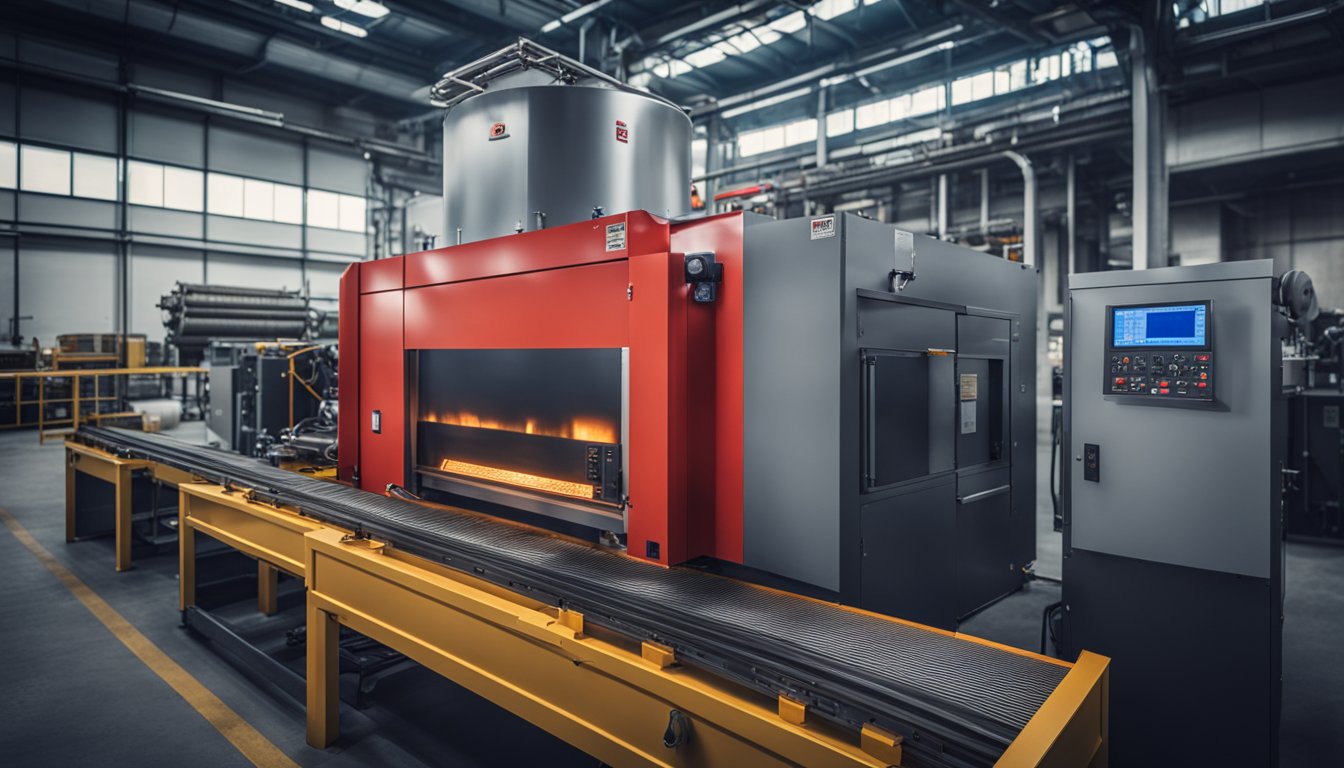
[[954, 702]]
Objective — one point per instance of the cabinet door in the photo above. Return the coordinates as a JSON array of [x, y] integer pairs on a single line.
[[908, 553], [908, 416], [985, 570]]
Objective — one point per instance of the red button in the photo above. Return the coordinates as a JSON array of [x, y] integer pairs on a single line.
[[1202, 376], [1120, 382], [1202, 384], [1202, 358], [1164, 391]]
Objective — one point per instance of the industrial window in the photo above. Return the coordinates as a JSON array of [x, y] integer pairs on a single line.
[[324, 209], [869, 115], [787, 25], [288, 204], [704, 57], [699, 157], [258, 200], [928, 100], [1107, 59], [45, 170], [840, 123], [225, 194], [95, 176], [353, 211], [829, 9], [800, 132], [183, 189], [9, 164], [146, 183]]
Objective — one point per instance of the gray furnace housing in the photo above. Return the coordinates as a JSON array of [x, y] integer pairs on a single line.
[[889, 435]]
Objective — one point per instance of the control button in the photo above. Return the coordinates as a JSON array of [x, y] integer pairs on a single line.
[[1202, 376], [1204, 358], [1115, 358], [1120, 381], [1164, 384], [1202, 384], [1164, 391], [1125, 360]]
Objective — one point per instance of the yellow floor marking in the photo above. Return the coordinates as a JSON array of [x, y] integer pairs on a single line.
[[248, 740]]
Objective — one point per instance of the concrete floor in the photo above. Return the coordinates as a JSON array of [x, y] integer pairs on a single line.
[[74, 695]]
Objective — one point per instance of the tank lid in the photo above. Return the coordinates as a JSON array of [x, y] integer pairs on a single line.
[[475, 78]]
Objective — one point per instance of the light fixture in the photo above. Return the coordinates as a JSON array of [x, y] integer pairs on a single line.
[[703, 274], [371, 8], [331, 22], [573, 15], [302, 6]]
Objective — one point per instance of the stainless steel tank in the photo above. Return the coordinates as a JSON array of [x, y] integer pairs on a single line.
[[545, 143]]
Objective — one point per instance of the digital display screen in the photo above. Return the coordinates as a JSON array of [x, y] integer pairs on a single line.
[[1180, 325]]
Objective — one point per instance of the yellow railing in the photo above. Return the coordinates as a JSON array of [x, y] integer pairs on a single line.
[[48, 426]]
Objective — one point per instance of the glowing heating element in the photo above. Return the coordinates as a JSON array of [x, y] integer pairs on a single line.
[[520, 479]]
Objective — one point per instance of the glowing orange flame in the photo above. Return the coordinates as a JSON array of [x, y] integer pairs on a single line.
[[583, 428], [520, 479]]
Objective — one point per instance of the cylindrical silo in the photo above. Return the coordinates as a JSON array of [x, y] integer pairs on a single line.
[[529, 152]]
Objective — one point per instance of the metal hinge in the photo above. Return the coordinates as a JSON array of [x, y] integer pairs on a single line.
[[630, 292]]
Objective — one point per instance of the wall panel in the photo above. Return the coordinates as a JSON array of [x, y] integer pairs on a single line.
[[255, 155], [154, 272], [69, 286], [176, 139], [68, 119], [254, 272]]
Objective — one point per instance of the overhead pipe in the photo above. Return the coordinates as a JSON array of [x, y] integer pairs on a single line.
[[1030, 202]]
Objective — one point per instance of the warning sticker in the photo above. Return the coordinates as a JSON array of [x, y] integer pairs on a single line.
[[616, 237], [970, 386], [823, 227], [967, 417]]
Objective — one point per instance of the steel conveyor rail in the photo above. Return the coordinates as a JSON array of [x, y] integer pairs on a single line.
[[956, 703]]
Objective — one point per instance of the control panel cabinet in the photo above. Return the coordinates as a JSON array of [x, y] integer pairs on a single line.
[[1160, 351]]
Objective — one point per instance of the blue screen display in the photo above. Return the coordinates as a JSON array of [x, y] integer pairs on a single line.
[[1183, 325]]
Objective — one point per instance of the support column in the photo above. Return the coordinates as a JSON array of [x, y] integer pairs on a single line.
[[984, 201], [1071, 213], [186, 555], [267, 583], [124, 506], [1148, 113], [821, 128], [324, 721], [942, 206]]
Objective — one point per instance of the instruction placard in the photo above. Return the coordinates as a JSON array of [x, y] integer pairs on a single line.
[[616, 237]]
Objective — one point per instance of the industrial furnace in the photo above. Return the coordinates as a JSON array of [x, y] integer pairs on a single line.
[[830, 404]]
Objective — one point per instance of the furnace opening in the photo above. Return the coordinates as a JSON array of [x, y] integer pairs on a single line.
[[542, 423]]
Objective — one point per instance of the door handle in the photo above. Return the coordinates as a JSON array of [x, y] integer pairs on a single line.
[[974, 497]]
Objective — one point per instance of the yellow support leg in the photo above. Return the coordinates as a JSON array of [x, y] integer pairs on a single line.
[[70, 521], [123, 512], [186, 554], [267, 578], [324, 722]]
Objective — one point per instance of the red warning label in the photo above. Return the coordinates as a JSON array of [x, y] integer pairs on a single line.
[[622, 132]]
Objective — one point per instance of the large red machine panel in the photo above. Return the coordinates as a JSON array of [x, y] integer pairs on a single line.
[[720, 441], [349, 373], [610, 237], [382, 388], [576, 307], [657, 514], [613, 282]]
